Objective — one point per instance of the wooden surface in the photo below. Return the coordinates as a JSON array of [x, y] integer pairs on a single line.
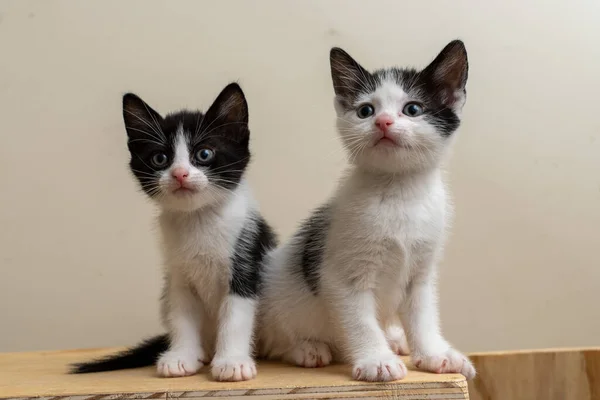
[[43, 374], [564, 374]]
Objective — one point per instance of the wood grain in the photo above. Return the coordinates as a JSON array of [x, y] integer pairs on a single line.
[[559, 374], [43, 374]]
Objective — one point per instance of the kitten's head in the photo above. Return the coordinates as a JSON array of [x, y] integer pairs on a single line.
[[399, 120], [188, 160]]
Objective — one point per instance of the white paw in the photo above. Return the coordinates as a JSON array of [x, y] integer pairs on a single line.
[[379, 369], [451, 361], [233, 369], [310, 355], [397, 340], [175, 363]]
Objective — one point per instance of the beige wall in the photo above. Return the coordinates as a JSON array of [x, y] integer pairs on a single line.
[[79, 264]]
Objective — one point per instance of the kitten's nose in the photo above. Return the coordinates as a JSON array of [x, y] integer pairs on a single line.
[[384, 121], [180, 174]]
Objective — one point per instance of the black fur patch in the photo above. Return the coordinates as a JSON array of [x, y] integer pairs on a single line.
[[434, 86], [311, 240], [223, 129], [255, 240], [142, 355]]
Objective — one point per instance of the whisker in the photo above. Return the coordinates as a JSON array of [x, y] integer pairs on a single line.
[[223, 181], [147, 141], [228, 165], [155, 122], [197, 124], [205, 132], [145, 122], [143, 162], [144, 172], [159, 139]]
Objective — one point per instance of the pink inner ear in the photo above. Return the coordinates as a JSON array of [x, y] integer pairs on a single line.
[[448, 96], [455, 73], [449, 72], [450, 78]]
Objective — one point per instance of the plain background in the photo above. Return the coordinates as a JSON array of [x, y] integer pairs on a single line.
[[79, 261]]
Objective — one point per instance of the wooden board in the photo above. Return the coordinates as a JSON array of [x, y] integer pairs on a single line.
[[43, 374], [572, 374]]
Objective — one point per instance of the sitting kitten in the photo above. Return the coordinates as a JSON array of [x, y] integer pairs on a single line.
[[192, 165], [369, 255]]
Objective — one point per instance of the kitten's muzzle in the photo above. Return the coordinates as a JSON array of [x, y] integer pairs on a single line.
[[389, 139], [180, 181]]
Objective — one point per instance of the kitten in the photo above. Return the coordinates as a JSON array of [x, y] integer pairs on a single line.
[[214, 239], [368, 256]]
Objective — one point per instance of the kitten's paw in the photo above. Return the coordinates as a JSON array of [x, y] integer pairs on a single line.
[[310, 354], [233, 369], [175, 363], [382, 369], [448, 362], [397, 340]]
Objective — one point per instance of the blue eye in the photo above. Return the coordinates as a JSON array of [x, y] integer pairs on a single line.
[[365, 111], [159, 160], [205, 156], [413, 109]]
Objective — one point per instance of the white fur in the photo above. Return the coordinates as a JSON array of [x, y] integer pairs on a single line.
[[396, 338], [199, 233], [232, 359], [387, 227]]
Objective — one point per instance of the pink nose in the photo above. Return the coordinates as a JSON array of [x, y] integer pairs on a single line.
[[384, 121], [180, 174]]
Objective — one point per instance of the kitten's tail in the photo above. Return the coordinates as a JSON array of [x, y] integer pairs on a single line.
[[142, 355]]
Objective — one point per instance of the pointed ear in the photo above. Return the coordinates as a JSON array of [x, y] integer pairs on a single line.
[[230, 106], [448, 73], [229, 114], [140, 119], [349, 78]]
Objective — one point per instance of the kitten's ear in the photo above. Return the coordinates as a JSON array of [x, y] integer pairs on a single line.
[[230, 105], [229, 113], [348, 76], [139, 117], [448, 73]]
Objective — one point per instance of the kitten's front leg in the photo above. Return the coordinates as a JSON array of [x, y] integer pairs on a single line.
[[233, 359], [372, 358], [429, 350], [183, 318], [397, 339]]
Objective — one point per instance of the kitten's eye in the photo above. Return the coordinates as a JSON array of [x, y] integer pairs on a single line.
[[365, 111], [159, 160], [205, 156], [413, 109]]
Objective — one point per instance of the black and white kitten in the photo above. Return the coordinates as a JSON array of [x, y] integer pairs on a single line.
[[368, 257], [214, 238]]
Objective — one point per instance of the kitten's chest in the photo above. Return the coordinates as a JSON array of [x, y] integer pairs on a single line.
[[392, 215], [383, 236], [204, 242], [379, 240]]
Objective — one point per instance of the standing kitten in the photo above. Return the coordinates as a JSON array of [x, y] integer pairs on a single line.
[[214, 238], [369, 255]]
